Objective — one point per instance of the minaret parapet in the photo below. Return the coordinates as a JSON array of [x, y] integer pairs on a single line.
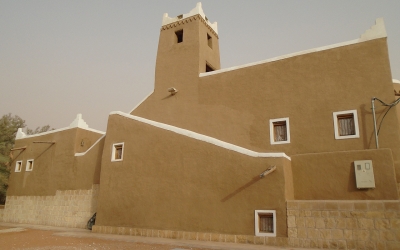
[[198, 10]]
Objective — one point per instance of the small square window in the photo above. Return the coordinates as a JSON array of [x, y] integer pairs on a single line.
[[18, 166], [209, 40], [265, 222], [179, 36], [279, 131], [29, 165], [346, 124], [117, 152]]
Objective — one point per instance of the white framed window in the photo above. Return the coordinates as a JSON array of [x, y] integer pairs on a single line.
[[279, 130], [18, 166], [29, 165], [265, 222], [117, 151], [346, 124]]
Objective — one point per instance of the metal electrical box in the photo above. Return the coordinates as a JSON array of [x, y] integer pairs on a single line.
[[364, 174]]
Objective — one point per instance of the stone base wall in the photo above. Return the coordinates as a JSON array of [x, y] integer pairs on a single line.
[[244, 239], [69, 208], [344, 224]]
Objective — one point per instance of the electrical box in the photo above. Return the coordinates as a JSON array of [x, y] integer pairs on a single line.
[[364, 174]]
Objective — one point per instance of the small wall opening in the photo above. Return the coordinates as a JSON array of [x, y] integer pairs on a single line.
[[265, 222], [209, 40], [209, 68], [179, 36]]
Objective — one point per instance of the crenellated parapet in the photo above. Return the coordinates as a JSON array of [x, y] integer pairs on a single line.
[[188, 20]]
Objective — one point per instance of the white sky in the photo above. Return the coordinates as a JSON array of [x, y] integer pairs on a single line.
[[61, 58]]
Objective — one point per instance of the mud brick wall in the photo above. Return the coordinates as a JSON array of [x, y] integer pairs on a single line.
[[344, 224], [1, 212], [69, 208]]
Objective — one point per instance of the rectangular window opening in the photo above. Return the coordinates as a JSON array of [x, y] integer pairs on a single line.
[[18, 166], [279, 131], [209, 40], [265, 222], [117, 152], [346, 124], [29, 165], [179, 36]]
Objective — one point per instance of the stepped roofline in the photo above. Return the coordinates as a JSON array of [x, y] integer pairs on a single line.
[[198, 10]]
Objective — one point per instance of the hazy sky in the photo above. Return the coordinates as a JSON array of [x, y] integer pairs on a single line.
[[61, 58]]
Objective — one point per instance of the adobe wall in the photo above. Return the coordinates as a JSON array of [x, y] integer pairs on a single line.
[[168, 181], [331, 176], [344, 224], [1, 212], [68, 208], [55, 165]]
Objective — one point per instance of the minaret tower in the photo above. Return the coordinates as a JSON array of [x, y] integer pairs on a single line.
[[188, 45]]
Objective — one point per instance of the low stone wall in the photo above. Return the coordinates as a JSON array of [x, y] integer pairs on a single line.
[[69, 208], [201, 236], [344, 224]]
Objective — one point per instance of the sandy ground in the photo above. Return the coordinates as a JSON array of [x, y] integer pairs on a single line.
[[30, 239]]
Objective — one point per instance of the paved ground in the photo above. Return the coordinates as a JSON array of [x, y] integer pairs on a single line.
[[37, 237]]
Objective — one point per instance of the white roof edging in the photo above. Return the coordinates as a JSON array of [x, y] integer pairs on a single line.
[[83, 153], [375, 32], [77, 123], [196, 10], [396, 81], [201, 137]]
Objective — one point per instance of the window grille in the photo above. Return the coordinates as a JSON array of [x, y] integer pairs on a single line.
[[346, 124], [280, 131]]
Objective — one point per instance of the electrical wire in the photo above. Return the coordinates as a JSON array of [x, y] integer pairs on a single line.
[[391, 105]]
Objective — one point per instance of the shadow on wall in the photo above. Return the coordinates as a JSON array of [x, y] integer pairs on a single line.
[[248, 184]]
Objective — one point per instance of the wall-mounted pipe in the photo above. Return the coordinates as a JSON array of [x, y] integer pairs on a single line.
[[374, 117]]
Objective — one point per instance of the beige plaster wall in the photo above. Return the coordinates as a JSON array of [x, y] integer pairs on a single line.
[[68, 208], [344, 224], [168, 181], [55, 165], [236, 106], [331, 176]]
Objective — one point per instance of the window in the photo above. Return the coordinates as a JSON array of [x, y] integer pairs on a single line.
[[346, 124], [29, 165], [279, 131], [209, 40], [265, 222], [18, 166], [117, 152], [179, 36]]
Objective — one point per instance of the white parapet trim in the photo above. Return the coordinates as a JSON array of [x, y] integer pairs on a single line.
[[396, 81], [77, 123], [202, 137], [375, 32], [198, 10], [94, 144]]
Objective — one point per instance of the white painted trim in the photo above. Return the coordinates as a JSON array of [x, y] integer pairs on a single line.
[[58, 130], [113, 151], [396, 81], [16, 166], [202, 137], [336, 126], [29, 166], [144, 99], [196, 10], [375, 32], [271, 130], [256, 222], [83, 153]]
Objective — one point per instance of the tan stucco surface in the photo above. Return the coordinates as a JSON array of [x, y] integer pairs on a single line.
[[236, 106], [331, 176], [170, 181], [55, 165]]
